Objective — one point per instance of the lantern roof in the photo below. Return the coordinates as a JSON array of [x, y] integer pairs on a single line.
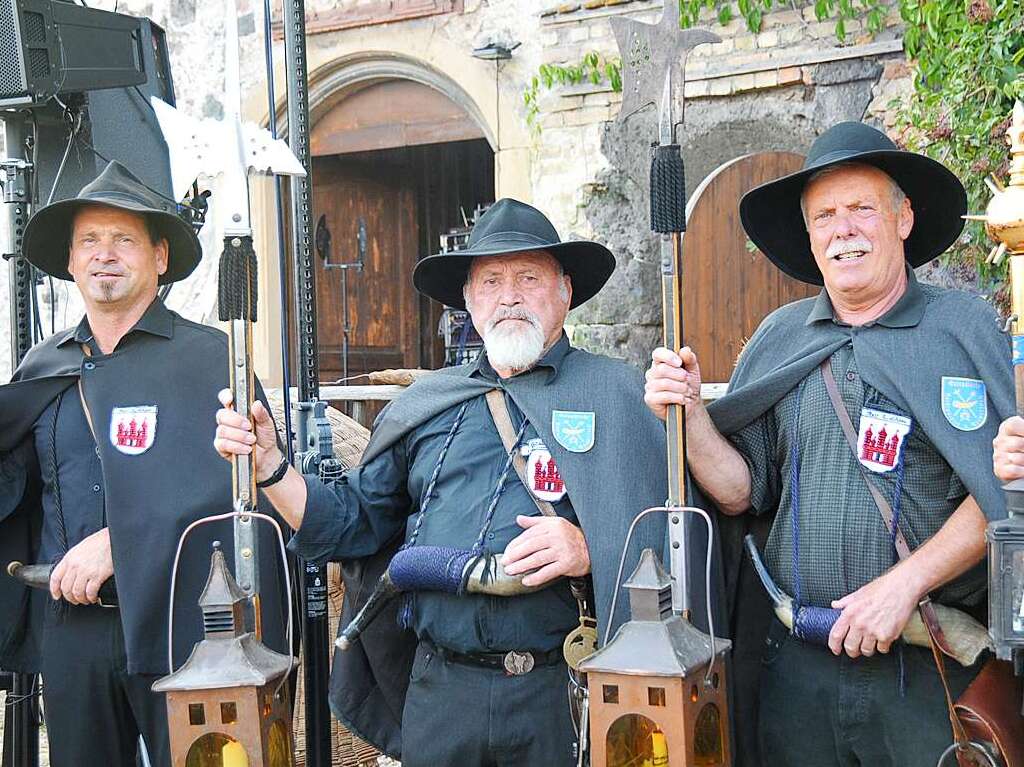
[[228, 656], [231, 661], [655, 642], [222, 590]]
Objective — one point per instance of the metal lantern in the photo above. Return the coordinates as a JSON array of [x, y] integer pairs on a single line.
[[1004, 222], [227, 706], [657, 690]]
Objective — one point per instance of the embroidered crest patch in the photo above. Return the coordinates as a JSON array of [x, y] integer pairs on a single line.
[[881, 439], [544, 478], [133, 429], [574, 430], [964, 402]]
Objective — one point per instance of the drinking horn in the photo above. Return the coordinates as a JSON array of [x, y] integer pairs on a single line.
[[966, 638]]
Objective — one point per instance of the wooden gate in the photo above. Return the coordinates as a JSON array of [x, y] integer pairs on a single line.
[[730, 286]]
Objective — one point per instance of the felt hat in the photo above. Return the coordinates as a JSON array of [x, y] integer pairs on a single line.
[[773, 220], [48, 232], [510, 227]]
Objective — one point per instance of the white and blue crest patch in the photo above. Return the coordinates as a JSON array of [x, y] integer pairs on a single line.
[[574, 430], [964, 402]]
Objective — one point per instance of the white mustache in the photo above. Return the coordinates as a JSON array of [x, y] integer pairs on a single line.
[[842, 247], [512, 313]]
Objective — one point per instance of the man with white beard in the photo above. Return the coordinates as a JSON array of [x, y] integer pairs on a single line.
[[486, 675]]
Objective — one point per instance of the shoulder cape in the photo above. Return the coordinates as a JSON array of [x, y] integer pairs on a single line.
[[621, 475], [958, 335], [149, 498]]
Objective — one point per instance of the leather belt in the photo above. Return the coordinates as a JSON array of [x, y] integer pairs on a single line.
[[512, 662]]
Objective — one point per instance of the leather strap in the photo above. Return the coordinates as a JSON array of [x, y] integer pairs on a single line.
[[936, 637], [503, 421]]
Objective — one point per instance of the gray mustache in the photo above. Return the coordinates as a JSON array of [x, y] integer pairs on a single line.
[[847, 246], [512, 314]]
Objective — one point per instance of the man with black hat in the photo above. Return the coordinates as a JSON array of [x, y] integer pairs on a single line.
[[916, 369], [104, 463], [488, 685]]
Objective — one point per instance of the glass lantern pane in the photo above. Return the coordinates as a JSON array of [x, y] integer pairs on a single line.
[[707, 737], [228, 712], [279, 747], [216, 750], [1017, 591], [635, 740]]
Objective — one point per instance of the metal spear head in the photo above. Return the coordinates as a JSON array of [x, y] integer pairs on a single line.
[[650, 54]]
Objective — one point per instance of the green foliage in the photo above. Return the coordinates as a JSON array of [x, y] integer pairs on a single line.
[[968, 67], [593, 68]]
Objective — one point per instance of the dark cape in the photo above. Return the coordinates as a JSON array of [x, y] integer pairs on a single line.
[[955, 334], [149, 498], [621, 475]]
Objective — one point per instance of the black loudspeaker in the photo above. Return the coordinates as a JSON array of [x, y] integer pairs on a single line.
[[49, 46], [116, 124]]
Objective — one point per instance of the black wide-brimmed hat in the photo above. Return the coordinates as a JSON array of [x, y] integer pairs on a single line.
[[773, 220], [48, 233], [509, 227]]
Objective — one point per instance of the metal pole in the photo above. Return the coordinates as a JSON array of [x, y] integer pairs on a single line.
[[22, 719], [282, 248], [18, 198], [315, 637]]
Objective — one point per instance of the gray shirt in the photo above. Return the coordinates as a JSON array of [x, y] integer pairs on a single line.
[[843, 543]]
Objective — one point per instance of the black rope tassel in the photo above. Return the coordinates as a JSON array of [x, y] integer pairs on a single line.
[[668, 190], [236, 290]]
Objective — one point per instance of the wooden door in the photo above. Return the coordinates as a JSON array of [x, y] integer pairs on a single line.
[[383, 307], [729, 285]]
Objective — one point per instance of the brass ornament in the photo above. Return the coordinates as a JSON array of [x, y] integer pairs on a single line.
[[580, 643]]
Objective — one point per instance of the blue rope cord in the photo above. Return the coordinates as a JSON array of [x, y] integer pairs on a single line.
[[498, 490], [897, 496], [429, 494]]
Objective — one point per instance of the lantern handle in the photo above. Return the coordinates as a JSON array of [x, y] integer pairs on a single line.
[[707, 572], [287, 583]]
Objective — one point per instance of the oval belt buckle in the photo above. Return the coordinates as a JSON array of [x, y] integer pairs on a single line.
[[518, 663]]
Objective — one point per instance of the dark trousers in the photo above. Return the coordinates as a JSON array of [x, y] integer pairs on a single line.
[[466, 716], [818, 710], [94, 709]]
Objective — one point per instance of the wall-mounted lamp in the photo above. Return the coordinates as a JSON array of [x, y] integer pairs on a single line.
[[494, 51]]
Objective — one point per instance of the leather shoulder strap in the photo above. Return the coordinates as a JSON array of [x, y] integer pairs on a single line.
[[503, 421]]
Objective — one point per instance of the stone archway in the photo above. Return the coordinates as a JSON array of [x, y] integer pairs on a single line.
[[337, 81]]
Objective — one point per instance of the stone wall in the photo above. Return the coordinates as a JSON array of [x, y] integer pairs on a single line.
[[774, 90], [771, 91]]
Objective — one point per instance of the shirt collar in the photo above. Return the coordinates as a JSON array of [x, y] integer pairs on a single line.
[[905, 313], [552, 360], [157, 320]]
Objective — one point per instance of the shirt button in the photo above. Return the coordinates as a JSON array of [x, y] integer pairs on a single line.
[[490, 536], [90, 365], [95, 488], [851, 376]]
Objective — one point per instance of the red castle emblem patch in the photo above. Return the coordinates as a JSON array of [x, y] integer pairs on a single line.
[[881, 440], [545, 480], [133, 429]]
